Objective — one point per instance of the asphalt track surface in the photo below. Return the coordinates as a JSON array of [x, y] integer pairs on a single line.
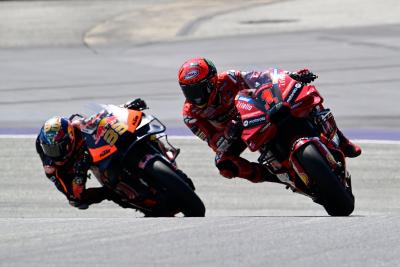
[[246, 224]]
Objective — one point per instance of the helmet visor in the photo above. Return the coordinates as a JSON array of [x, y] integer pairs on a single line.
[[199, 93], [56, 151]]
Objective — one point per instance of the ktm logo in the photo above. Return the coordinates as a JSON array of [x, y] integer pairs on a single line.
[[135, 120], [104, 152]]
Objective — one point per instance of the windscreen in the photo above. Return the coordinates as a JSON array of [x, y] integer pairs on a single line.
[[266, 88]]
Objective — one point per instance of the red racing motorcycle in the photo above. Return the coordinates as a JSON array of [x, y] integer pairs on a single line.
[[296, 137], [133, 158]]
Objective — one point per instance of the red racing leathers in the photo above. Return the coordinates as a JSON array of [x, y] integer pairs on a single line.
[[70, 176], [213, 123]]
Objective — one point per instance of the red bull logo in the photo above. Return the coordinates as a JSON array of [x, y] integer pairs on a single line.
[[103, 126]]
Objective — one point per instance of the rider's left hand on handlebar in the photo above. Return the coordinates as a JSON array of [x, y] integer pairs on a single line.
[[304, 76], [136, 104]]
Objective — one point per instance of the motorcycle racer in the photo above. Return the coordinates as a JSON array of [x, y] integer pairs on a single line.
[[209, 112], [66, 160]]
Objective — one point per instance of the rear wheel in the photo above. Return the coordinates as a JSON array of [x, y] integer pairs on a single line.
[[178, 192], [336, 199]]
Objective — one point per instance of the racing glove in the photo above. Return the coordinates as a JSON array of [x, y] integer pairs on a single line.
[[136, 104], [81, 168], [303, 76]]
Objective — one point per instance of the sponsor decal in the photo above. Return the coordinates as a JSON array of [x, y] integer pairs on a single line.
[[263, 129], [297, 105], [104, 152], [245, 106], [101, 130], [269, 98], [294, 92], [135, 120], [254, 121], [244, 98], [191, 74]]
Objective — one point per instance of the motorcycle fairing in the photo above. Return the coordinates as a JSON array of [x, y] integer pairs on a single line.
[[265, 101], [100, 153], [130, 117], [102, 131], [307, 99], [149, 126], [254, 119], [274, 99]]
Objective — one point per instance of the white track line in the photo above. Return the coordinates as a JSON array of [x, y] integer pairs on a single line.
[[17, 136], [383, 142], [360, 141]]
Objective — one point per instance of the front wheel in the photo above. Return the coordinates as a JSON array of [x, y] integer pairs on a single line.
[[179, 193], [336, 199]]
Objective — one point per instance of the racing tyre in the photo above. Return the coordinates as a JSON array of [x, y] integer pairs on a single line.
[[177, 190], [336, 200]]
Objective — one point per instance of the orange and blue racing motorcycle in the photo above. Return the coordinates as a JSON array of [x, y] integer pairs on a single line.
[[133, 158]]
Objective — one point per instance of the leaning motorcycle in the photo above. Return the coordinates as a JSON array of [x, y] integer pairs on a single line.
[[132, 157], [296, 137]]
